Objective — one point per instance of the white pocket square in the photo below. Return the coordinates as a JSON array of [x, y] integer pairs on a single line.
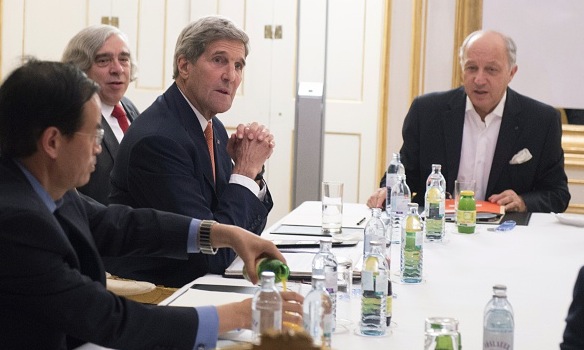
[[521, 157]]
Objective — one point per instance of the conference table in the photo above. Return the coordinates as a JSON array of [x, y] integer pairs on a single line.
[[538, 263]]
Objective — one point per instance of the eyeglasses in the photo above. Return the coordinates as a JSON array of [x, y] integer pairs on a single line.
[[98, 135]]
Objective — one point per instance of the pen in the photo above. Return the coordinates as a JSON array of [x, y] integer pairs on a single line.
[[361, 221]]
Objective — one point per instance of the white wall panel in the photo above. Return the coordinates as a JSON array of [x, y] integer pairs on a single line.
[[345, 50], [45, 33], [342, 162], [151, 43], [549, 42]]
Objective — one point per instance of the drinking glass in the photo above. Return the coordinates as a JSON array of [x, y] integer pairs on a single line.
[[332, 207], [441, 333]]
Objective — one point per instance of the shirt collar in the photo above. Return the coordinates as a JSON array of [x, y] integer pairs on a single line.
[[498, 111], [40, 190], [107, 110], [200, 117]]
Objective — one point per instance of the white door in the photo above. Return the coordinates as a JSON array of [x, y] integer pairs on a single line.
[[353, 85]]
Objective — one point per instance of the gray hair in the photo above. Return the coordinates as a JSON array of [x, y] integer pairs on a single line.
[[195, 37], [82, 48], [509, 45]]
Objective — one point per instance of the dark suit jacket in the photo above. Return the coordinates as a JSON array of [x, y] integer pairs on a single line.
[[432, 134], [99, 186], [163, 163], [574, 332], [52, 281]]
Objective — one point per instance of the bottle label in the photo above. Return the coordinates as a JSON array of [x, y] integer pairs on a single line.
[[390, 180], [367, 280], [498, 341], [388, 305], [399, 205], [381, 283], [331, 282], [466, 217]]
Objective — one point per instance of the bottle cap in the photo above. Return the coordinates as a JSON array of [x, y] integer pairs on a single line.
[[500, 290], [467, 193]]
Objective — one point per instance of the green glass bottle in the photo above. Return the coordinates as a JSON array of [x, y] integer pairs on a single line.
[[466, 213], [279, 269]]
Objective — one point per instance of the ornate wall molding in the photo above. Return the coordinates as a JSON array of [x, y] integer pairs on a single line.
[[383, 114], [469, 18]]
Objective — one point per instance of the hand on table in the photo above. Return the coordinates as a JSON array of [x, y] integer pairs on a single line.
[[511, 200], [377, 198]]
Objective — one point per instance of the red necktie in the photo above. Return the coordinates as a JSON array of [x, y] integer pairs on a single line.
[[209, 138], [120, 115]]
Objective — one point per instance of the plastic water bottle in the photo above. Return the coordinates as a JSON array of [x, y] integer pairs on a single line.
[[499, 325], [374, 230], [394, 169], [325, 264], [266, 306], [374, 277], [412, 247], [317, 313], [400, 197], [436, 174], [435, 203]]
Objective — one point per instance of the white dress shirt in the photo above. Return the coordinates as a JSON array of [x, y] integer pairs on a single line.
[[106, 111], [479, 140]]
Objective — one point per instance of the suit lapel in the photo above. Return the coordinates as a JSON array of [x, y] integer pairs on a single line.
[[189, 120], [453, 126], [131, 111], [511, 128], [70, 217], [110, 143]]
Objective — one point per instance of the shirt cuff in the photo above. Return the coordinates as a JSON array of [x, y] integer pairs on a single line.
[[246, 182], [193, 237], [208, 329]]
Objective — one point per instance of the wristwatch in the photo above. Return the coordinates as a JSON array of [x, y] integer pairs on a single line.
[[260, 175], [205, 237]]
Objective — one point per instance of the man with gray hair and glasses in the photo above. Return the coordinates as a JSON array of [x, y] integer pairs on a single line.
[[103, 53], [179, 158]]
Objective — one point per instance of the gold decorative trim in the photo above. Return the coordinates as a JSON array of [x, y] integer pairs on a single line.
[[383, 115], [575, 209], [469, 18], [573, 145], [418, 47]]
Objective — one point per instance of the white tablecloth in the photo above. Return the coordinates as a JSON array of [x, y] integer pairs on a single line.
[[538, 263]]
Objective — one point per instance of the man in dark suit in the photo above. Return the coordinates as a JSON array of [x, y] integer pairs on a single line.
[[508, 143], [52, 281], [574, 332], [165, 161], [103, 53]]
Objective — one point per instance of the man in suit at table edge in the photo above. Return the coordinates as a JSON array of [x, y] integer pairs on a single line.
[[509, 143], [177, 156], [52, 281], [103, 53]]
